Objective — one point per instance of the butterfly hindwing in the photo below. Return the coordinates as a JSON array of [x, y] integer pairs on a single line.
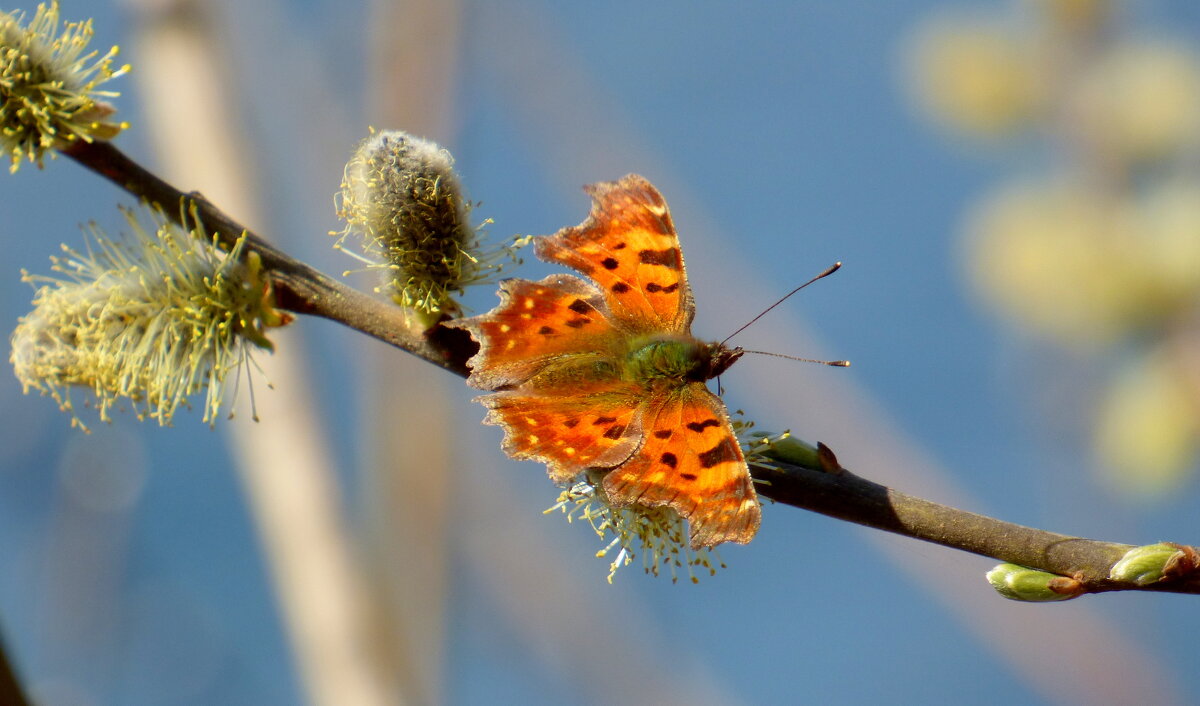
[[690, 460], [536, 324], [598, 428]]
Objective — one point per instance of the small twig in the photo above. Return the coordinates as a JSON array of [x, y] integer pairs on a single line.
[[841, 494]]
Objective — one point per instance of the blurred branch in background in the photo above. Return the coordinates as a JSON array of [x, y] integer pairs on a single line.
[[1092, 243], [284, 461], [407, 434]]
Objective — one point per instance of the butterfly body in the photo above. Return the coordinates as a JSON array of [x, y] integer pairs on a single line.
[[605, 376], [678, 358]]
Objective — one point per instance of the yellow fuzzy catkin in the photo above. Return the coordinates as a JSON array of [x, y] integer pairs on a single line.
[[659, 534], [150, 320], [404, 205], [49, 83]]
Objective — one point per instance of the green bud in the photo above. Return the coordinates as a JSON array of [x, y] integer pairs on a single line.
[[789, 450], [1144, 565], [1021, 583]]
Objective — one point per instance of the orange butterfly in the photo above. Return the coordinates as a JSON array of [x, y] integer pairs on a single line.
[[606, 376]]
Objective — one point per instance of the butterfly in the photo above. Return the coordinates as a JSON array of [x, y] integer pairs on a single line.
[[603, 375]]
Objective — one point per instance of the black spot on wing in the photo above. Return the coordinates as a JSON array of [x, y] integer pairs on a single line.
[[701, 426], [669, 459], [579, 322], [545, 330], [570, 423], [615, 431], [610, 263], [688, 476], [579, 306], [604, 420], [725, 450], [663, 434], [620, 288], [668, 257]]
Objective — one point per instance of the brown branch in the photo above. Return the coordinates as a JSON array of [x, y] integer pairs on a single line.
[[298, 287], [836, 493], [846, 496]]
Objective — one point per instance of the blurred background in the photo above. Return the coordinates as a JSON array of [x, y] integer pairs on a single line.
[[1014, 188]]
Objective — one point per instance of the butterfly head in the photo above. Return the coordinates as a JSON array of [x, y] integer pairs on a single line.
[[720, 357]]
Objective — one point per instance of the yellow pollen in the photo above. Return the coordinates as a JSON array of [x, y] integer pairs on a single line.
[[505, 328], [570, 451], [531, 421], [532, 438], [512, 343], [528, 302], [526, 316]]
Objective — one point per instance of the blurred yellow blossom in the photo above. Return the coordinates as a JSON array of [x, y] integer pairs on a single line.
[[1098, 246], [1085, 269], [974, 75], [1143, 99], [1055, 257], [1074, 14], [1148, 429], [1169, 246]]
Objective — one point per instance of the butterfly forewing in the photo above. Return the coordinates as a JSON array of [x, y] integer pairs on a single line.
[[629, 247]]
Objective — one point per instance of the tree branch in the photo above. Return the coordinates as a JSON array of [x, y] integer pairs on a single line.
[[299, 288], [846, 496], [836, 493]]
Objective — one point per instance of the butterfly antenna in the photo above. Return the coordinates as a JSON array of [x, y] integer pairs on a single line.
[[834, 363], [826, 273]]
